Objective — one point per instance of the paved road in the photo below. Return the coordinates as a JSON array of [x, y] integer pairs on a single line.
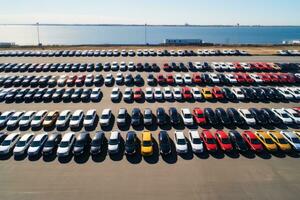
[[206, 176]]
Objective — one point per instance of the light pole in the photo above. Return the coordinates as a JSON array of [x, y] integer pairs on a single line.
[[38, 32], [145, 33]]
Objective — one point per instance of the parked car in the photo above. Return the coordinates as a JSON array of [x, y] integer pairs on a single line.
[[97, 143], [114, 142], [51, 144], [65, 146], [164, 143], [37, 144], [180, 142]]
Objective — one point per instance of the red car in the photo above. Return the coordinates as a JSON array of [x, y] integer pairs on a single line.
[[196, 78], [209, 140], [161, 79], [248, 78], [283, 78], [265, 77], [252, 141], [170, 79], [186, 93], [217, 93], [199, 116], [71, 80], [297, 109], [240, 78], [268, 67], [291, 78], [223, 140], [238, 67], [80, 80], [167, 67], [137, 94], [274, 78]]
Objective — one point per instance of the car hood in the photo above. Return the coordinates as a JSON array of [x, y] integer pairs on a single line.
[[77, 149], [182, 147], [46, 149], [4, 148], [19, 149], [197, 146], [147, 149], [104, 121], [33, 149], [112, 147], [62, 150]]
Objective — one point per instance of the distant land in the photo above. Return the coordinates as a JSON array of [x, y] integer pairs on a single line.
[[170, 25]]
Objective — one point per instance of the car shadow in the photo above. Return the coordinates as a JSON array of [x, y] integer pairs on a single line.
[[83, 158], [248, 154], [49, 158], [264, 155], [20, 157], [64, 160], [137, 157], [217, 154], [172, 157]]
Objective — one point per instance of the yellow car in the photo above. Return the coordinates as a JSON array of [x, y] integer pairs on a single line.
[[266, 140], [280, 141], [297, 133], [50, 119], [206, 92], [274, 66], [146, 144]]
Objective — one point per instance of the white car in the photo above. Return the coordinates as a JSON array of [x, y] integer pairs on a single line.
[[216, 66], [114, 66], [113, 142], [76, 119], [286, 93], [177, 93], [231, 78], [5, 117], [196, 93], [292, 139], [256, 78], [9, 143], [131, 66], [89, 118], [89, 80], [115, 94], [37, 144], [187, 117], [149, 93], [245, 66], [198, 65], [178, 79], [66, 145], [62, 80], [293, 114], [158, 95], [230, 66], [123, 66], [119, 78], [105, 117], [168, 95], [26, 118], [15, 118], [63, 118], [295, 92], [108, 79], [127, 96], [247, 116], [224, 66], [187, 79], [238, 93], [23, 144], [180, 142], [95, 94], [196, 142], [283, 115], [38, 119], [214, 77]]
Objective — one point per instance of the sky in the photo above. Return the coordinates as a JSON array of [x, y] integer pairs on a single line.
[[200, 12]]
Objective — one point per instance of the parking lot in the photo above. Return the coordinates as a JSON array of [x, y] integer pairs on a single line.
[[205, 176]]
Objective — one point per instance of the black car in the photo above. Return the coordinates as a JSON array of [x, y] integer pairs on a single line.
[[51, 144], [210, 116], [90, 67], [235, 117], [48, 94], [174, 116], [151, 80], [136, 117], [18, 81], [57, 95], [98, 67], [39, 94], [161, 116], [269, 93], [223, 116], [155, 67], [82, 67], [128, 79], [259, 116], [237, 141], [86, 93], [249, 94], [270, 115], [130, 143], [164, 143], [77, 94], [147, 67], [97, 143], [82, 143], [29, 95], [260, 94], [10, 96], [21, 94], [67, 94], [278, 95], [223, 79], [206, 79], [3, 135], [138, 80], [228, 94], [98, 80]]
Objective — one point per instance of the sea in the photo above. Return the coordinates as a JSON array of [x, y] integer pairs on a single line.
[[134, 34]]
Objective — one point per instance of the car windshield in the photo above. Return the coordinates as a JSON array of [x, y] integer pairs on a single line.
[[121, 116], [181, 141], [89, 117], [210, 141], [200, 115], [282, 141], [254, 141], [269, 141], [96, 142], [147, 143], [225, 141], [130, 142], [37, 118], [62, 118], [113, 141], [21, 144], [197, 141], [196, 92], [79, 143], [105, 116], [64, 144], [25, 118], [187, 116], [296, 140], [284, 115], [95, 92], [2, 118], [35, 144], [148, 116], [6, 143], [48, 118], [75, 117], [248, 116], [14, 118], [49, 143]]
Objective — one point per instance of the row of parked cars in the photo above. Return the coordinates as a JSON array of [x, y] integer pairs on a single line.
[[116, 53], [197, 116], [51, 94], [233, 94], [289, 52], [70, 143]]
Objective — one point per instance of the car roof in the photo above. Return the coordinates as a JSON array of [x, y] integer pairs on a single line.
[[194, 133], [77, 112], [106, 111], [185, 110], [26, 136], [39, 136], [114, 135], [11, 136], [90, 112], [82, 136], [64, 112], [7, 113], [130, 135], [67, 136], [41, 112], [28, 113], [98, 135], [146, 135], [179, 135], [290, 134], [53, 136]]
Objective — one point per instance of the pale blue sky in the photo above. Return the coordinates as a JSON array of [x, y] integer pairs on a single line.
[[203, 12]]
